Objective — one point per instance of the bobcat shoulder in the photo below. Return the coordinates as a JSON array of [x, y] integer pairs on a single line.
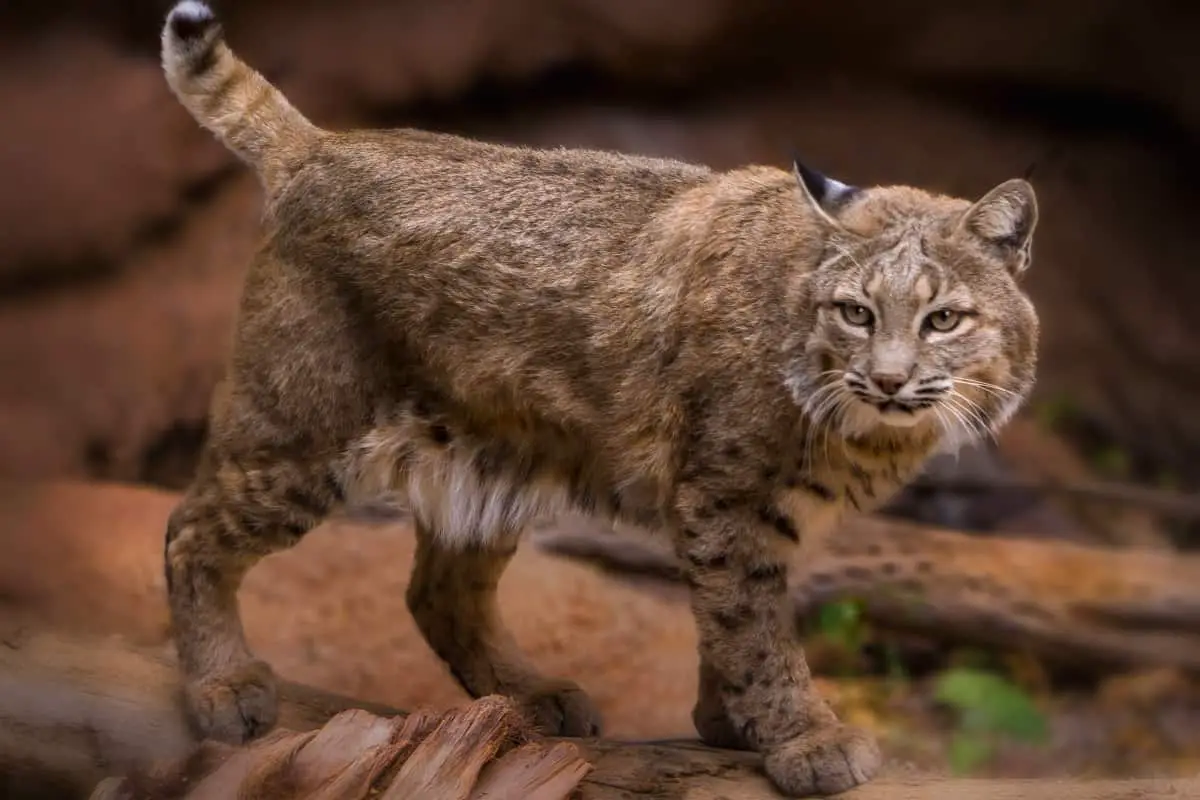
[[497, 333]]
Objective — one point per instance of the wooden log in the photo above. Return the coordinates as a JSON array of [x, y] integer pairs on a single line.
[[483, 750], [1105, 608], [75, 711]]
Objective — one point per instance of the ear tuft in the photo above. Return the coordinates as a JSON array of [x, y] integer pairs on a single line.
[[1004, 219], [824, 194]]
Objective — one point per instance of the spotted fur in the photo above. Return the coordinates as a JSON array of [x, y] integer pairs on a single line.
[[489, 334]]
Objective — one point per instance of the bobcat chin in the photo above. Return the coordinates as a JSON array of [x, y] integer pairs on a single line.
[[490, 334]]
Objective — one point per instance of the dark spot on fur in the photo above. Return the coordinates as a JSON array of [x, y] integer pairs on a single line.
[[889, 568], [708, 562], [924, 567], [720, 504], [785, 528], [440, 434], [202, 61], [691, 533], [874, 550], [489, 462], [295, 530], [305, 502], [764, 573], [818, 490], [333, 487], [732, 619], [733, 450]]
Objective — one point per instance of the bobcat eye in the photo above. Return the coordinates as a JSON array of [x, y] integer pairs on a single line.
[[943, 320], [859, 316]]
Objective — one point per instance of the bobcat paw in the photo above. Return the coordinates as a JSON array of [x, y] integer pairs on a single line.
[[561, 708], [234, 705], [823, 761]]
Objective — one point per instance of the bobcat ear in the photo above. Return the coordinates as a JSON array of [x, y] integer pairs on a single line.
[[824, 195], [1004, 219]]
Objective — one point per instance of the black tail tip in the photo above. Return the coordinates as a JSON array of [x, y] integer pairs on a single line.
[[190, 19]]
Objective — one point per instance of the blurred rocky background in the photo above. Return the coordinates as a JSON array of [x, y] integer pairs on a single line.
[[125, 229]]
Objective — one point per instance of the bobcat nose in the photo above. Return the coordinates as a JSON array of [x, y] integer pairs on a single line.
[[889, 382]]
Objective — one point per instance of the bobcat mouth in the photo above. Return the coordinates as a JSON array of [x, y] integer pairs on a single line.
[[888, 406]]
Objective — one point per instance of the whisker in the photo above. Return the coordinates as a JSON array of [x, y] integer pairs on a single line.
[[975, 408], [964, 424], [822, 400], [999, 391], [946, 426], [816, 397], [966, 406], [840, 413]]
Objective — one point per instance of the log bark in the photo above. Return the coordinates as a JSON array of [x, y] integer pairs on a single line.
[[1099, 607], [74, 712]]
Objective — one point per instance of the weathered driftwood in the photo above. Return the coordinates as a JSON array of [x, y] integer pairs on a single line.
[[480, 751], [75, 712], [1092, 606]]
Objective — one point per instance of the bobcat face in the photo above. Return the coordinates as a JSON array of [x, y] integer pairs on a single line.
[[919, 318]]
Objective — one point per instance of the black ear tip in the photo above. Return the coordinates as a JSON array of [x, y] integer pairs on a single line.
[[813, 181], [809, 175]]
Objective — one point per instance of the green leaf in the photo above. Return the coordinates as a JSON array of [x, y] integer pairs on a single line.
[[989, 703], [842, 621]]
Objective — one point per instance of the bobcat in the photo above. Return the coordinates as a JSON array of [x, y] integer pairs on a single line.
[[492, 334]]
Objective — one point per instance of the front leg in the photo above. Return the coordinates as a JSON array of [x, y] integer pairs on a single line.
[[750, 654]]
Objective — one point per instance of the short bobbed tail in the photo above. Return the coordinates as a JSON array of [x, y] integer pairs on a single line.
[[249, 115]]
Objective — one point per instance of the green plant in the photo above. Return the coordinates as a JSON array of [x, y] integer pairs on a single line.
[[989, 707], [842, 623], [841, 626]]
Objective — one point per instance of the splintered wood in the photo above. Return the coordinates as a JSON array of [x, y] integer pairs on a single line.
[[84, 718], [481, 751]]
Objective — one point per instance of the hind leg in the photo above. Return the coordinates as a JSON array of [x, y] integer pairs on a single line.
[[452, 596], [236, 511]]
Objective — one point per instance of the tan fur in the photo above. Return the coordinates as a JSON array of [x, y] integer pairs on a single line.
[[494, 333]]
